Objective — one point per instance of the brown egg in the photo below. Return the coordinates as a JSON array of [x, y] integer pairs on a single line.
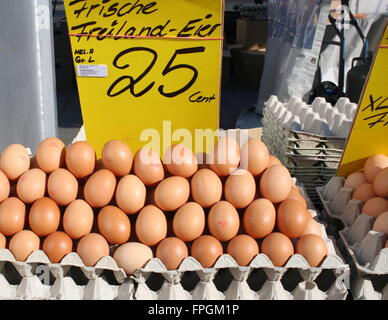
[[12, 216], [313, 227], [78, 219], [374, 165], [5, 187], [240, 188], [130, 194], [364, 192], [355, 179], [189, 221], [151, 225], [375, 206], [273, 161], [225, 157], [44, 217], [381, 223], [172, 193], [180, 161], [14, 161], [62, 187], [50, 154], [312, 248], [386, 244], [80, 159], [254, 156], [117, 157], [243, 249], [56, 245], [292, 218], [99, 188], [23, 243], [278, 247], [114, 225], [148, 167], [132, 256], [295, 195], [172, 251], [276, 183], [91, 248], [380, 185], [259, 218], [206, 188], [31, 185], [223, 221], [206, 250]]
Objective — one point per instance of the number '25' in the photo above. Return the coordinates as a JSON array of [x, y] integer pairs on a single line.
[[114, 91]]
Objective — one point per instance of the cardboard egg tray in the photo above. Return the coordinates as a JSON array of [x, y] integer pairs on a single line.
[[362, 247], [37, 278]]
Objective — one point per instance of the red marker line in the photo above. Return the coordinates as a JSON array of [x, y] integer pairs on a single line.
[[140, 37]]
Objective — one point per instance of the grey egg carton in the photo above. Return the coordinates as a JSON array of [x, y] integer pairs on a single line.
[[38, 279], [273, 288], [361, 246]]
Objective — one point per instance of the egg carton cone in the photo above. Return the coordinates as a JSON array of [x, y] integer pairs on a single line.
[[126, 291], [81, 135], [346, 107], [363, 289]]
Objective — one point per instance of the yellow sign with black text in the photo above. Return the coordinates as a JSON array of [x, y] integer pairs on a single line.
[[369, 135], [142, 63]]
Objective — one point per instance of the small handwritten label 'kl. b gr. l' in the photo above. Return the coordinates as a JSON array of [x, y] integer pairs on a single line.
[[92, 70]]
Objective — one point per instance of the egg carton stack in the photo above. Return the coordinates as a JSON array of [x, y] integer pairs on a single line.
[[308, 139], [363, 248]]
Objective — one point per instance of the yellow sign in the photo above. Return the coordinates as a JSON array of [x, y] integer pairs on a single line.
[[140, 63], [369, 135]]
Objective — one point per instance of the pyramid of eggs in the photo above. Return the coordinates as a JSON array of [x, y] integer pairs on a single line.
[[240, 201]]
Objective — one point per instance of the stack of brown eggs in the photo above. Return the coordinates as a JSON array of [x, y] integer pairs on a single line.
[[135, 208], [371, 187]]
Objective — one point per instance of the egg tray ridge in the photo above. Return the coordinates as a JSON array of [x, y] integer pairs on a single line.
[[362, 247]]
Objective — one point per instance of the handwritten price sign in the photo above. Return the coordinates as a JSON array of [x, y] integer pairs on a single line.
[[370, 129], [142, 62]]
